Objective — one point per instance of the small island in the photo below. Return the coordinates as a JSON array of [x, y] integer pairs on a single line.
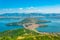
[[30, 23]]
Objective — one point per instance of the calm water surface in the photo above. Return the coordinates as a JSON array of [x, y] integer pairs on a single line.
[[54, 26], [3, 23]]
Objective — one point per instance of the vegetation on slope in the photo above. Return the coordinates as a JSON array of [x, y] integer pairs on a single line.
[[24, 34]]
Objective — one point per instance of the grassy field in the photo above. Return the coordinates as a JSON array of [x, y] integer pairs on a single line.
[[24, 34]]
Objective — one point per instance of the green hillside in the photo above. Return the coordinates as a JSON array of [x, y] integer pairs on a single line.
[[24, 34]]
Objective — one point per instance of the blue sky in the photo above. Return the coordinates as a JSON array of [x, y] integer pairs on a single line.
[[35, 5], [27, 3]]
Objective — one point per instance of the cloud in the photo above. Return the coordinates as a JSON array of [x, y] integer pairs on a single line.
[[50, 9]]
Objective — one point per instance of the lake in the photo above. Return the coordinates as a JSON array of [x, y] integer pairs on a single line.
[[3, 23], [54, 26]]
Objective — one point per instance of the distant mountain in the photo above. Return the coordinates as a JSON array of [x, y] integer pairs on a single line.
[[12, 14], [21, 14], [29, 14]]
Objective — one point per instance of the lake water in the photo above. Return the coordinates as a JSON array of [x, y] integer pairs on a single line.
[[54, 26], [3, 23]]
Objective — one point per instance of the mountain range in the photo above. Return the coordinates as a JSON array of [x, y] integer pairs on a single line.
[[29, 14]]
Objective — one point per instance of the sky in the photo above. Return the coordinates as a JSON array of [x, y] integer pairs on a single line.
[[29, 6]]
